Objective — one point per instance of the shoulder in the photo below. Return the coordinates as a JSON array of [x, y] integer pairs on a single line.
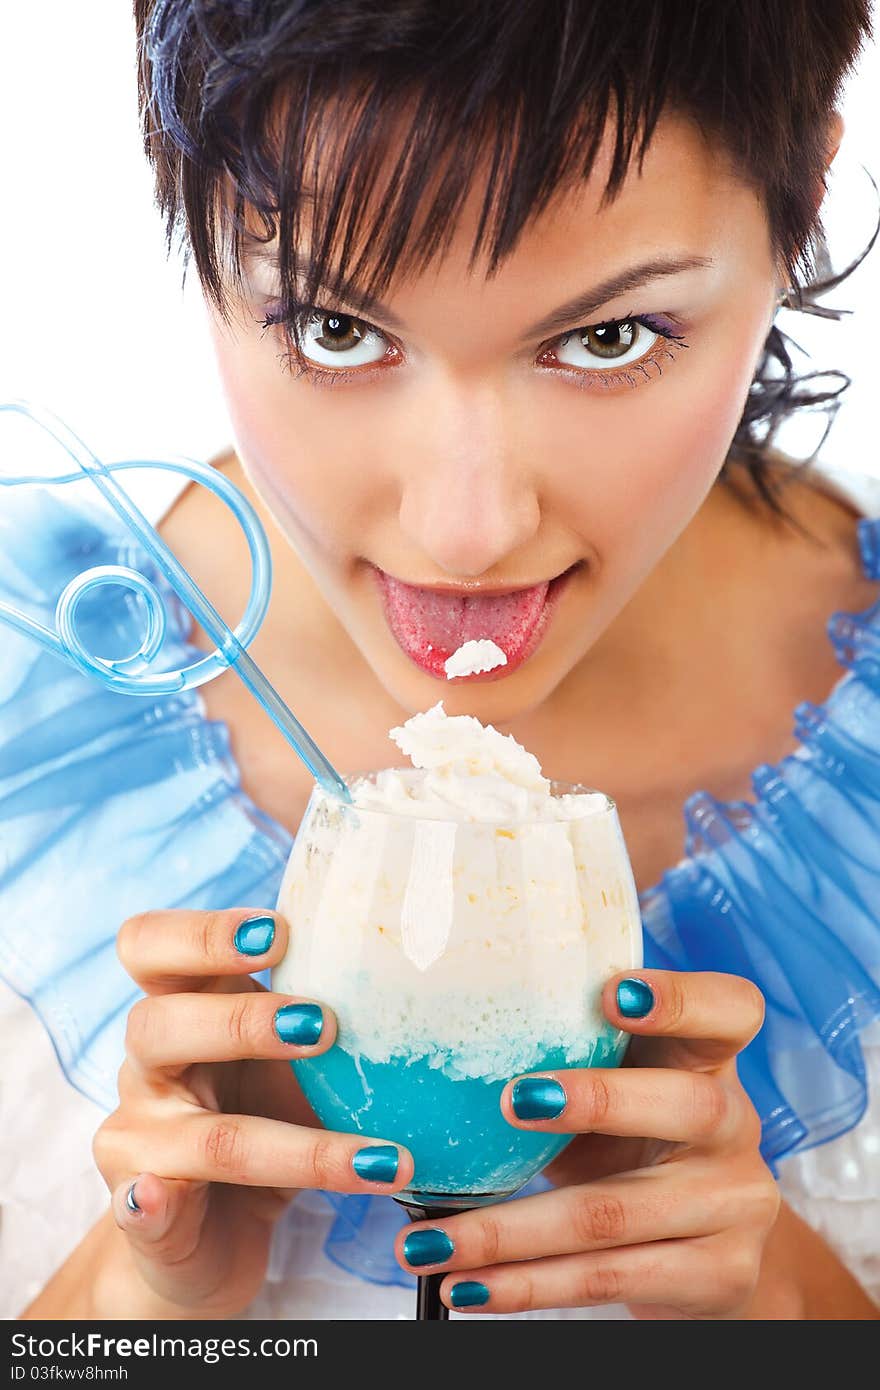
[[807, 543], [856, 489], [803, 548]]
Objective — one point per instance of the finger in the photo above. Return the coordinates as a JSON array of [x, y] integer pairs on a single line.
[[172, 1032], [252, 1151], [700, 1279], [180, 1256], [681, 1107], [649, 1205], [697, 1020], [160, 1216], [178, 951]]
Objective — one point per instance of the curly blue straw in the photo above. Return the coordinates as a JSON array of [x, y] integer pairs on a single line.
[[126, 674]]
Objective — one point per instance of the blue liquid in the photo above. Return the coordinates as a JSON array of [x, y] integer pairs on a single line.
[[454, 1128]]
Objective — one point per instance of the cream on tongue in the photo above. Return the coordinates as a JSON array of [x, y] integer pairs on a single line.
[[431, 625], [473, 657]]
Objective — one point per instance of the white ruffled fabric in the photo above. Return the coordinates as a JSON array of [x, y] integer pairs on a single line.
[[835, 1188], [51, 1193]]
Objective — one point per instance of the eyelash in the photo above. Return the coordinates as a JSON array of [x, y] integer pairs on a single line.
[[300, 367]]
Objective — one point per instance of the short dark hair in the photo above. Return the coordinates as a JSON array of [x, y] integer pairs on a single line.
[[231, 91]]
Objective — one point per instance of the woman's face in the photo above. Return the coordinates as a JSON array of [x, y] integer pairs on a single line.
[[493, 463]]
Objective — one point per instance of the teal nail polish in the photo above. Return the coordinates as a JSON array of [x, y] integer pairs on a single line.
[[427, 1247], [255, 936], [635, 999], [131, 1200], [537, 1098], [469, 1294], [301, 1024], [378, 1163]]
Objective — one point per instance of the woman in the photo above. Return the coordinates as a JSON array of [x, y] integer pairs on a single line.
[[537, 252]]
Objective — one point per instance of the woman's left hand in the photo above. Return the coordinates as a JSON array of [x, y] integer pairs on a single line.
[[664, 1202]]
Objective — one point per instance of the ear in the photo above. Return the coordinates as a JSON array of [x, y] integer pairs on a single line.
[[833, 139], [836, 127]]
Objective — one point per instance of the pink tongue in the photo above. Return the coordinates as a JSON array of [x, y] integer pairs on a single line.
[[439, 623]]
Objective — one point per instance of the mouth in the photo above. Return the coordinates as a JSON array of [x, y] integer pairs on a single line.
[[430, 624]]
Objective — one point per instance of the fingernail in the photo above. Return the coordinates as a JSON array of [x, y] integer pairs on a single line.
[[635, 999], [301, 1024], [469, 1294], [130, 1200], [427, 1248], [378, 1163], [255, 936], [537, 1098]]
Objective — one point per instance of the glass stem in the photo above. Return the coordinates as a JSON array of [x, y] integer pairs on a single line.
[[428, 1305]]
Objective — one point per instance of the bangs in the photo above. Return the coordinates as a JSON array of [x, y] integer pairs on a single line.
[[357, 167], [369, 187]]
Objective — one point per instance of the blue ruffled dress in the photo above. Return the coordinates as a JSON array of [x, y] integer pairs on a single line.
[[113, 804]]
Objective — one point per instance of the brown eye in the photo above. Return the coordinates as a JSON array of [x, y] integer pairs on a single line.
[[333, 339], [338, 332], [609, 339], [621, 343]]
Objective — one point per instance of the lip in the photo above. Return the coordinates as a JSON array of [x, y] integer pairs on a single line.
[[432, 661], [469, 588]]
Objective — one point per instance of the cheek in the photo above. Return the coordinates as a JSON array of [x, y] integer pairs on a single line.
[[312, 476], [646, 459]]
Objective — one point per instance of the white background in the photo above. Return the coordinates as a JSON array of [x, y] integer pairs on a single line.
[[94, 322]]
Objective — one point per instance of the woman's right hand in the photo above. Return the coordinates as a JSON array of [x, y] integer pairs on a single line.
[[213, 1137]]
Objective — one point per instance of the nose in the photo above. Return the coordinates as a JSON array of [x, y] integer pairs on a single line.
[[467, 499]]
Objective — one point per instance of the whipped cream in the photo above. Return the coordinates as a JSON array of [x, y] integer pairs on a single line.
[[467, 771], [475, 928], [474, 657]]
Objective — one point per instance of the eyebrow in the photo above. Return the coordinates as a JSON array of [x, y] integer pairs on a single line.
[[633, 278], [573, 310]]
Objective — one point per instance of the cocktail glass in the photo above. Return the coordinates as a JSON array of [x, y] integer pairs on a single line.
[[456, 955]]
